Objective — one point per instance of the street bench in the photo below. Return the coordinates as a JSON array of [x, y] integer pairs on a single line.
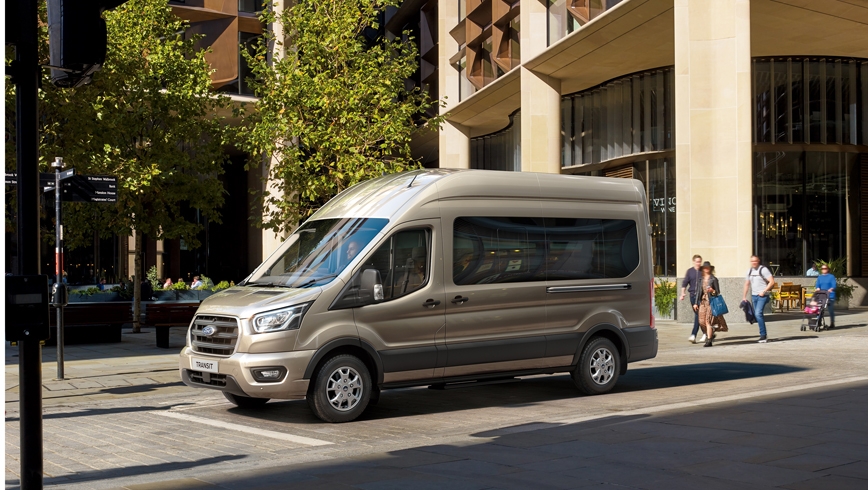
[[91, 323], [163, 316]]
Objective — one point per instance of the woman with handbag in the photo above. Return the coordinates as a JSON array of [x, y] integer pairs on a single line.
[[710, 305]]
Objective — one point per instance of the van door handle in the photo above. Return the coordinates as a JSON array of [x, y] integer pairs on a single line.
[[460, 300], [431, 303]]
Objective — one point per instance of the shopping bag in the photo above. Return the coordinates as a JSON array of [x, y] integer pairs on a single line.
[[718, 306]]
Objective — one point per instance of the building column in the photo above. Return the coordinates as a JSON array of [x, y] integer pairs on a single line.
[[540, 97], [270, 239], [454, 138], [713, 134]]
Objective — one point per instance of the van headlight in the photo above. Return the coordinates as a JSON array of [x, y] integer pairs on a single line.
[[277, 320]]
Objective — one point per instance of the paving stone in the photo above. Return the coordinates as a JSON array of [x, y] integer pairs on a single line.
[[754, 474], [812, 462], [828, 482], [857, 469]]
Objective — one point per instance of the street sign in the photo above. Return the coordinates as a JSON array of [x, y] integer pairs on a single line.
[[90, 188], [77, 188]]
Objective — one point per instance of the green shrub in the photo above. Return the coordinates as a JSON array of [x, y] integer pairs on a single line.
[[153, 279], [180, 286], [220, 286], [665, 293]]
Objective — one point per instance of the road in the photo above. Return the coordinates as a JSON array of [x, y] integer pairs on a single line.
[[786, 414]]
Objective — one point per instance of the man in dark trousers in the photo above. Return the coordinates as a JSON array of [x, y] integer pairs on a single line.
[[690, 285]]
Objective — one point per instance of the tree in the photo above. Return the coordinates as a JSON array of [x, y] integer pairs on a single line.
[[151, 119], [333, 107]]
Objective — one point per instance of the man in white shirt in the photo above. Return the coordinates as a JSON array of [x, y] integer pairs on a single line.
[[759, 282]]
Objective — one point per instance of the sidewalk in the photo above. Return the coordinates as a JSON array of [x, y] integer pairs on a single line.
[[103, 370]]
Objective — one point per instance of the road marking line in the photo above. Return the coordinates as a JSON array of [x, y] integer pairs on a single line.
[[711, 401], [243, 428]]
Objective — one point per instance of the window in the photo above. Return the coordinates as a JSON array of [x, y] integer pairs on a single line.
[[402, 263], [498, 250], [317, 252], [501, 250], [581, 248]]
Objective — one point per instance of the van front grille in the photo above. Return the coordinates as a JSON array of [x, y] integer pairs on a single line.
[[222, 340], [207, 378]]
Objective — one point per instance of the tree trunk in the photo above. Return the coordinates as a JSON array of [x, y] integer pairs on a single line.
[[137, 284]]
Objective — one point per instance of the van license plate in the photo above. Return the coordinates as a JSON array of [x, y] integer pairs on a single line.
[[206, 366]]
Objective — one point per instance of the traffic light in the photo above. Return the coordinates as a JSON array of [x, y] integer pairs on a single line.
[[77, 39]]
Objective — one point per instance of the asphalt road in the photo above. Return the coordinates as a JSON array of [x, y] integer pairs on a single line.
[[739, 414]]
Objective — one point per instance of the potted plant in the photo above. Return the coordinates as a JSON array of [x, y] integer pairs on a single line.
[[665, 294], [183, 292]]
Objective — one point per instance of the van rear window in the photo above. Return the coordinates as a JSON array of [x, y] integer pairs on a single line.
[[490, 250]]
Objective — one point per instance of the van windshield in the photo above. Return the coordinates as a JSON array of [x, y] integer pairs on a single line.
[[317, 252]]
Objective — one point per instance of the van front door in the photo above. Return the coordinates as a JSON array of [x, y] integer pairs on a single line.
[[495, 288], [403, 327]]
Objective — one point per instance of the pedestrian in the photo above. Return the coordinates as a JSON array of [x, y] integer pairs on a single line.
[[196, 284], [812, 271], [709, 286], [827, 282], [690, 285], [759, 282], [168, 283], [147, 290]]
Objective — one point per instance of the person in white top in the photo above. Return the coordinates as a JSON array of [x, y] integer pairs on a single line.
[[759, 282]]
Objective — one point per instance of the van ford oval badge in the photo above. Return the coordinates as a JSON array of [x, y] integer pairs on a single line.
[[209, 330]]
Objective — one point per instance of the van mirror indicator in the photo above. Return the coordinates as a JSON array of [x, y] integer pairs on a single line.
[[372, 286]]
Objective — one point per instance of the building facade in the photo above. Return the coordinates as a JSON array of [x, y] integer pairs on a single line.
[[747, 120]]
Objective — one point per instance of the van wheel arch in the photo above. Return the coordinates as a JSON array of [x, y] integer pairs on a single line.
[[610, 332], [356, 347]]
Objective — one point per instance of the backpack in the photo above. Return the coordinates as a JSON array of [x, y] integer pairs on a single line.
[[760, 270]]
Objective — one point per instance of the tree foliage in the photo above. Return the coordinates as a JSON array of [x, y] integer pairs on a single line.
[[150, 118], [333, 107]]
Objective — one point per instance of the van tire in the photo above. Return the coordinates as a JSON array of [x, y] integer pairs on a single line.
[[343, 374], [598, 368], [245, 401]]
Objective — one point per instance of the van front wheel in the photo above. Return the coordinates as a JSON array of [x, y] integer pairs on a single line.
[[599, 366], [341, 389]]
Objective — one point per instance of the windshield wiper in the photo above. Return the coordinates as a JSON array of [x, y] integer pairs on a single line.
[[266, 285], [315, 280]]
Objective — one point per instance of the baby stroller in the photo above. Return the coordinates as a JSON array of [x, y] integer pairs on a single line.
[[815, 311]]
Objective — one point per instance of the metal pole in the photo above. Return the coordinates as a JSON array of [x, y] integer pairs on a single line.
[[27, 74], [58, 261]]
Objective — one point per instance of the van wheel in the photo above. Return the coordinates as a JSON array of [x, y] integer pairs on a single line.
[[599, 366], [245, 401], [341, 390]]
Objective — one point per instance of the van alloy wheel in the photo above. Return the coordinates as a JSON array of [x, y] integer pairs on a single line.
[[340, 389], [602, 366], [598, 368], [344, 389]]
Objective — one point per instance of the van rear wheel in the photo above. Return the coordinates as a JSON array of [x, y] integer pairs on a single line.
[[341, 389], [245, 401], [599, 366]]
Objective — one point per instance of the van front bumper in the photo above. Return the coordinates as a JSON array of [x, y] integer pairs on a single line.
[[234, 373]]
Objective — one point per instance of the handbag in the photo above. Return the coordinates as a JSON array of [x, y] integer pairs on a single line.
[[718, 305]]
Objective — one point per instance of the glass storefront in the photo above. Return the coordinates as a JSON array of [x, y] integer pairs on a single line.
[[500, 150], [810, 126], [628, 115], [801, 207], [659, 178]]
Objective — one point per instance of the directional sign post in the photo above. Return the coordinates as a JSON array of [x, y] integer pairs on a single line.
[[77, 188]]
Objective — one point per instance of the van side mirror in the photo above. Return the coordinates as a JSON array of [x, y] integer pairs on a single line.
[[372, 286]]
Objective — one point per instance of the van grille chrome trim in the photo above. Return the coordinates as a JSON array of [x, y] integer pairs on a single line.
[[588, 288], [222, 342]]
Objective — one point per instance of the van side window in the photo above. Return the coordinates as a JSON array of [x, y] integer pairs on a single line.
[[581, 248], [498, 250], [402, 261]]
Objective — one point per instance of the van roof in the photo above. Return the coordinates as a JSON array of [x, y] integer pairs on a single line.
[[387, 195]]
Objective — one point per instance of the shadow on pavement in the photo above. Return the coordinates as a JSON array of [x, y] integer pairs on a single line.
[[741, 444], [90, 412], [132, 471], [519, 393]]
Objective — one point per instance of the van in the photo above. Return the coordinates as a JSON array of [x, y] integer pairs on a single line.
[[433, 277]]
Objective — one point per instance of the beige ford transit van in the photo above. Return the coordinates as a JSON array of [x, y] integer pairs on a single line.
[[434, 277]]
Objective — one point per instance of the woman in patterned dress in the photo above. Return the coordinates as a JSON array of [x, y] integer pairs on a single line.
[[710, 287]]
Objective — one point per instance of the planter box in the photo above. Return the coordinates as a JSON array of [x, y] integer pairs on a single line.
[[94, 298]]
